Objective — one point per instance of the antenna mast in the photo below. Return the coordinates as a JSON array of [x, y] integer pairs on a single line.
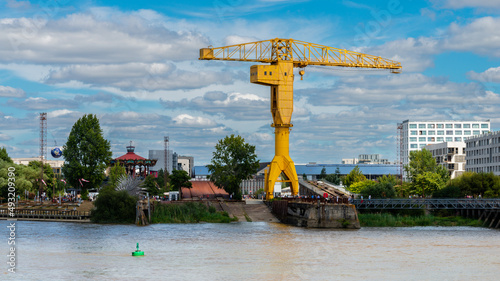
[[43, 147]]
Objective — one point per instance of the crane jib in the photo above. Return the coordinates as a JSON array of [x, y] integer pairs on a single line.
[[299, 52]]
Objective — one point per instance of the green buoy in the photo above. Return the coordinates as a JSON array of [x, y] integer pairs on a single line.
[[137, 252]]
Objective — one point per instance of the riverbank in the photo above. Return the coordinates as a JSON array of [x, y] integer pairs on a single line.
[[396, 220], [189, 212]]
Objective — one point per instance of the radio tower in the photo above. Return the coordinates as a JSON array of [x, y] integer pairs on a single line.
[[400, 151], [165, 172], [43, 146]]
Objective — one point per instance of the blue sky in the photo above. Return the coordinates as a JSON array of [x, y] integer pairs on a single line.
[[135, 65]]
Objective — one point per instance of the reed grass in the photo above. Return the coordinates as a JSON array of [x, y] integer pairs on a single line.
[[190, 212], [390, 220]]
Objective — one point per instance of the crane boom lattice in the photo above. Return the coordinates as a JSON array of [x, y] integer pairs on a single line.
[[299, 52]]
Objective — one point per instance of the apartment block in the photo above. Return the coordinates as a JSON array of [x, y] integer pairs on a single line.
[[483, 153], [415, 135], [450, 155]]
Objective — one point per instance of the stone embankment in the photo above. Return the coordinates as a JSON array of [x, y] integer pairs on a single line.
[[316, 215]]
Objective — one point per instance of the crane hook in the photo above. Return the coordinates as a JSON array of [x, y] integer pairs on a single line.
[[301, 72]]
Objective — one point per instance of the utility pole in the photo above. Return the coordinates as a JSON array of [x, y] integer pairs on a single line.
[[165, 172], [43, 148], [400, 150]]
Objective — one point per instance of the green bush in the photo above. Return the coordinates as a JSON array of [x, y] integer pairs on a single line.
[[450, 191], [379, 190], [360, 185], [114, 207], [484, 184]]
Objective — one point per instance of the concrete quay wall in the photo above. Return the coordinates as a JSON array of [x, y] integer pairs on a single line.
[[316, 215]]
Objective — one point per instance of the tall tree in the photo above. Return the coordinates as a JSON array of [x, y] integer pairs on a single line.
[[151, 186], [233, 161], [48, 176], [86, 154], [180, 179], [425, 175], [25, 178], [390, 179], [334, 178], [4, 155], [160, 180], [475, 184], [323, 174], [378, 190], [421, 161], [115, 174], [354, 176], [426, 183]]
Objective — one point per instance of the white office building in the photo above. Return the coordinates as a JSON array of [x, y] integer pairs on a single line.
[[186, 163], [450, 155], [416, 135], [56, 165], [483, 153], [350, 161]]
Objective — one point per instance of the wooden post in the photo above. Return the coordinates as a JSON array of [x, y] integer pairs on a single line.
[[487, 217], [482, 215], [494, 218], [498, 224]]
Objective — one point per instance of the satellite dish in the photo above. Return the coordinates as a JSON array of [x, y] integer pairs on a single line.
[[56, 152]]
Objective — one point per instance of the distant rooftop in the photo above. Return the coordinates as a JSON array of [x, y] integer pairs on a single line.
[[315, 169]]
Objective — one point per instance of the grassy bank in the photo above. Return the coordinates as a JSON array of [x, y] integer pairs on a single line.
[[390, 220], [190, 212]]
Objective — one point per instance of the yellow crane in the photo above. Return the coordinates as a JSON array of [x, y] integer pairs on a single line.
[[283, 55]]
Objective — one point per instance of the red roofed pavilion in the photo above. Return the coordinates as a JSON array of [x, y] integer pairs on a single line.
[[131, 160]]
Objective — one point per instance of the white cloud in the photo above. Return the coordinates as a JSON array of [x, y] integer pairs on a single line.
[[216, 130], [234, 106], [458, 4], [18, 4], [193, 121], [58, 113], [138, 76], [41, 103], [414, 88], [4, 137], [86, 38], [481, 36], [415, 54], [235, 39], [9, 92], [490, 75], [262, 137]]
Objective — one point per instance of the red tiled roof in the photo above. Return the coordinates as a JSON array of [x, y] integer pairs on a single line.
[[130, 156], [201, 188]]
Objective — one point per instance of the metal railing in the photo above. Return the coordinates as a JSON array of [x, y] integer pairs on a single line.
[[456, 204], [44, 214]]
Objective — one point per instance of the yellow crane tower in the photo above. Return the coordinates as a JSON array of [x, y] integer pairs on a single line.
[[283, 55]]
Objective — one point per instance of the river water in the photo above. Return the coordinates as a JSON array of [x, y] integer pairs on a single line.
[[249, 251]]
